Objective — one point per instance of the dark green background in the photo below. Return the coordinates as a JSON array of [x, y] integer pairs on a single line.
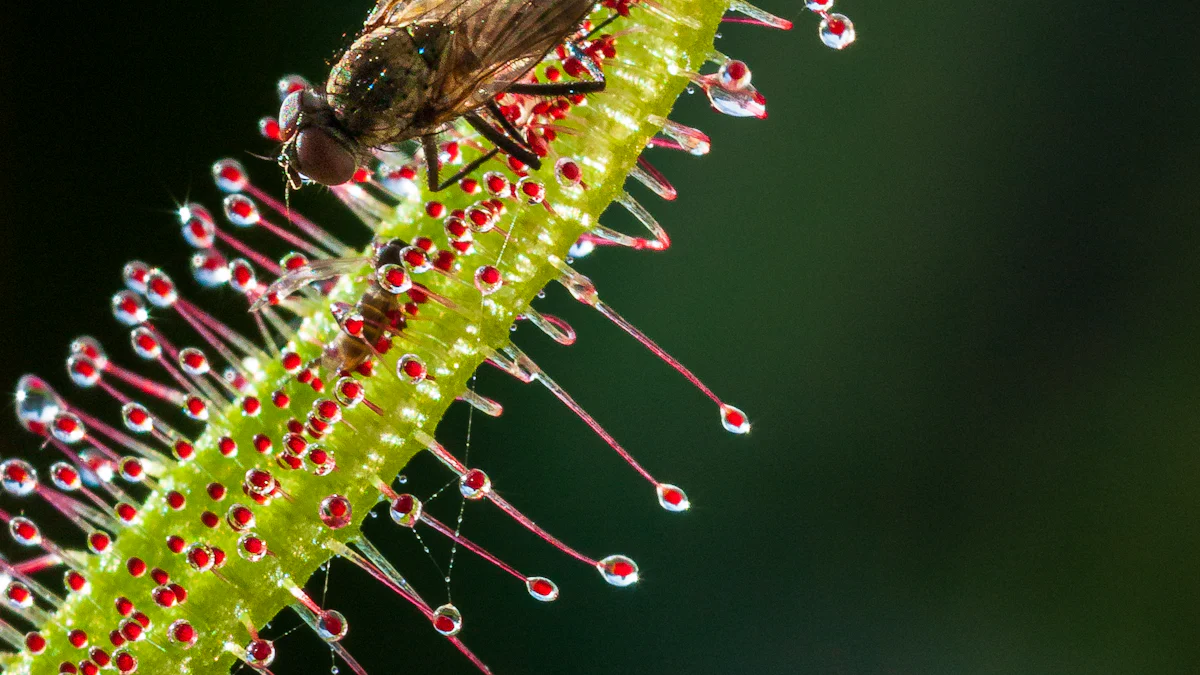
[[952, 278]]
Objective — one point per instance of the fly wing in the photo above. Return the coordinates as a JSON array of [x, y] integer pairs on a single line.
[[317, 270], [494, 42], [405, 12], [497, 42]]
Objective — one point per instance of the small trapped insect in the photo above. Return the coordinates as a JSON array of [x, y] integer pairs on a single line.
[[377, 315], [416, 68]]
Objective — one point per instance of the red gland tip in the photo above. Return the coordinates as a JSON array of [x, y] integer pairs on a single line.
[[618, 570], [734, 420], [542, 589], [447, 620], [672, 498]]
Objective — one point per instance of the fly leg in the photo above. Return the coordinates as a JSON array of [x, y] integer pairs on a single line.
[[597, 83], [507, 126], [429, 143], [601, 26], [507, 138], [550, 89]]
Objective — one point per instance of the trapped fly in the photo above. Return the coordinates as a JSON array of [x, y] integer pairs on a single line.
[[417, 67]]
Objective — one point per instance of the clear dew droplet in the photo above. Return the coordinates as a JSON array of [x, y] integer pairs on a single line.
[[734, 74], [137, 418], [672, 498], [325, 467], [415, 260], [447, 620], [90, 347], [229, 175], [129, 309], [68, 428], [144, 343], [332, 626], [83, 371], [251, 547], [242, 277], [405, 510], [580, 287], [289, 84], [259, 482], [200, 557], [542, 589], [134, 274], [580, 249], [474, 484], [735, 102], [96, 468], [335, 511], [131, 469], [160, 290], [65, 477], [734, 420], [404, 189], [19, 478], [193, 362], [241, 211], [488, 279], [837, 31], [198, 231], [393, 278], [37, 403], [259, 653], [618, 570], [210, 269], [240, 517], [24, 531], [568, 172], [18, 595], [692, 140]]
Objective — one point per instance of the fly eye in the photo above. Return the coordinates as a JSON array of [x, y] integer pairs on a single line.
[[322, 158], [289, 115], [296, 105]]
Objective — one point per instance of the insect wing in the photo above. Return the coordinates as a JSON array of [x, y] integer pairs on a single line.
[[494, 43], [408, 12], [505, 40], [317, 270]]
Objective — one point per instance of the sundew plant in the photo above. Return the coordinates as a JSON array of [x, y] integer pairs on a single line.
[[202, 489]]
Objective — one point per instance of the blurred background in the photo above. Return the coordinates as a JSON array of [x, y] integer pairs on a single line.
[[952, 279]]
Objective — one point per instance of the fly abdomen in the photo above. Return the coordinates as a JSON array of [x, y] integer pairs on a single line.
[[347, 352]]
